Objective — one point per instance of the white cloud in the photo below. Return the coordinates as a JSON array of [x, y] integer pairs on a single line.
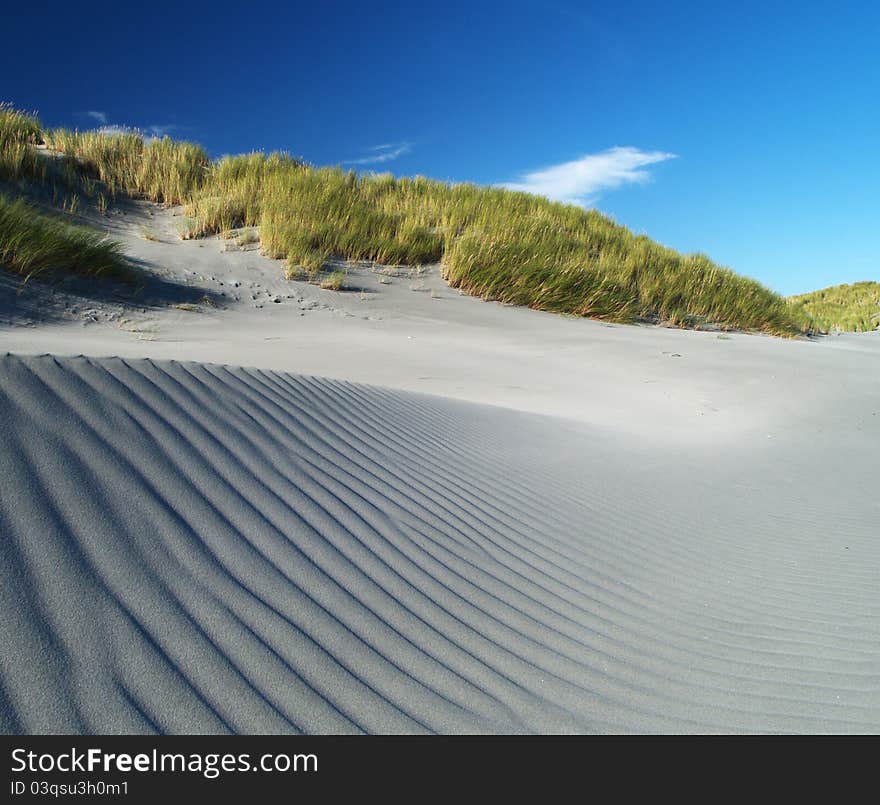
[[117, 130], [100, 117], [581, 181], [381, 153], [148, 132], [159, 131]]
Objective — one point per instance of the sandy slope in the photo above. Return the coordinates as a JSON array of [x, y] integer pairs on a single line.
[[192, 547], [590, 528], [415, 333]]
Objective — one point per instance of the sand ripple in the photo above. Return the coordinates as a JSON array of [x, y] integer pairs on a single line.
[[192, 548]]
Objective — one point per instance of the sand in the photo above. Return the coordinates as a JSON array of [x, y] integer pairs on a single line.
[[418, 511]]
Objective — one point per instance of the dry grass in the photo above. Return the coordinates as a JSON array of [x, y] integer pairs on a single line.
[[493, 243], [232, 196], [162, 170], [32, 243], [334, 281]]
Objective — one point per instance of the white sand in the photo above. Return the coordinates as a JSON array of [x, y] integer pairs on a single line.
[[685, 541]]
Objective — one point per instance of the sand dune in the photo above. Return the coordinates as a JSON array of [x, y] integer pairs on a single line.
[[191, 547]]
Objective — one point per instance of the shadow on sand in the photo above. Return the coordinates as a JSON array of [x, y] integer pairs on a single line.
[[59, 298]]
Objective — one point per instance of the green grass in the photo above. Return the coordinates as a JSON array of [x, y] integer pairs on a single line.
[[231, 196], [334, 281], [496, 244], [19, 133], [493, 243], [32, 243], [18, 126], [852, 308], [162, 170], [73, 166]]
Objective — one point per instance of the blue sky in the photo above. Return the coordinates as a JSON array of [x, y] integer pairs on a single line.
[[748, 131]]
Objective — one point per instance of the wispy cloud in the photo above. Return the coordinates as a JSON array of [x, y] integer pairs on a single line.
[[103, 124], [582, 181], [381, 153], [114, 129], [153, 132], [159, 131]]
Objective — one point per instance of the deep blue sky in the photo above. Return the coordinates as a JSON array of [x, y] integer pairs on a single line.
[[771, 109]]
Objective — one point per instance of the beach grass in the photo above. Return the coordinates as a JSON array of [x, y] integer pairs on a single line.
[[496, 244], [162, 170], [20, 132], [33, 243], [19, 126], [493, 243], [334, 281], [845, 308], [232, 194]]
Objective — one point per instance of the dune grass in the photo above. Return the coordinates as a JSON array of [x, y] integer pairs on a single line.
[[19, 126], [848, 308], [496, 244], [98, 165], [32, 243], [19, 133], [232, 195], [333, 281], [74, 166], [162, 170], [493, 243]]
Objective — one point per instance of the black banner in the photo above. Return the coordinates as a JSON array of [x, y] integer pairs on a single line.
[[142, 769]]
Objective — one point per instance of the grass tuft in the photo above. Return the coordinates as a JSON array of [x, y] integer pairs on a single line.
[[334, 281], [32, 243], [162, 170], [20, 127]]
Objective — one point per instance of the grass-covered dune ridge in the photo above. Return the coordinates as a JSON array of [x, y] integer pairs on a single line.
[[497, 244], [162, 170], [493, 243], [849, 308], [98, 165]]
